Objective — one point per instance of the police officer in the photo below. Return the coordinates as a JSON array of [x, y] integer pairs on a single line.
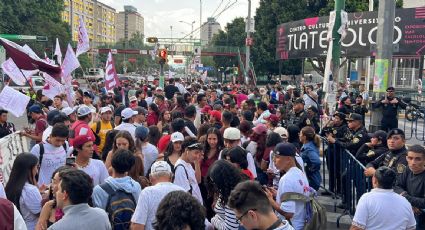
[[373, 149], [354, 139], [360, 108], [390, 105], [395, 158], [313, 116], [298, 116]]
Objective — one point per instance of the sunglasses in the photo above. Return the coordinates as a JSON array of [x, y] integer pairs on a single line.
[[194, 146]]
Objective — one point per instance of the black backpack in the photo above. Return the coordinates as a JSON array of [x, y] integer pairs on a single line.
[[41, 153], [120, 207]]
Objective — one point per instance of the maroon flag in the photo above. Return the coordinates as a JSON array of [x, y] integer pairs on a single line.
[[26, 60], [111, 77]]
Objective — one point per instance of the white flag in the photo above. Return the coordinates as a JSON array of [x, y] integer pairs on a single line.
[[58, 52], [70, 63], [52, 87], [13, 101], [83, 38], [9, 67]]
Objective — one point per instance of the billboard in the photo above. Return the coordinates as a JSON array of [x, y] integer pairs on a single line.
[[308, 37]]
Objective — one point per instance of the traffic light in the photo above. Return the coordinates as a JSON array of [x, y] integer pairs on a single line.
[[163, 54], [152, 39]]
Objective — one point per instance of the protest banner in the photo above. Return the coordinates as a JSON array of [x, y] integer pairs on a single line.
[[15, 74], [11, 146], [13, 101]]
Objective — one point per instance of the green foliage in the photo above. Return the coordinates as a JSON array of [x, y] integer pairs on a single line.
[[85, 63]]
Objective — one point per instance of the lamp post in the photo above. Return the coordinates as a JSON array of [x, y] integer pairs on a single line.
[[248, 38], [190, 24]]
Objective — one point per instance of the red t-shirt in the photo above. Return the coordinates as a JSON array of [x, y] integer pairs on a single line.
[[248, 173], [152, 119], [205, 165]]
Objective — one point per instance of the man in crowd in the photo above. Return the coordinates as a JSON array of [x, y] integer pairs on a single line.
[[411, 183], [150, 152], [160, 102], [189, 119], [298, 116], [262, 113], [103, 126], [161, 177], [74, 192], [57, 102], [390, 105], [253, 209], [310, 97], [6, 128], [395, 158], [38, 116], [81, 126], [382, 208], [360, 107], [202, 101], [170, 89], [119, 107], [140, 118], [127, 116], [54, 117]]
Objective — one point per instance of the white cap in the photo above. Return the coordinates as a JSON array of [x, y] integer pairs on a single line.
[[128, 113], [290, 87], [177, 136], [68, 110], [133, 98], [83, 110], [160, 166], [232, 134], [281, 131], [105, 109]]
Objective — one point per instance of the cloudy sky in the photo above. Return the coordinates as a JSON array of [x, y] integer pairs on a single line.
[[159, 15]]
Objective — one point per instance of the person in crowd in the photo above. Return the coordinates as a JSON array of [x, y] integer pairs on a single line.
[[174, 150], [371, 150], [179, 104], [177, 125], [272, 122], [262, 112], [148, 150], [103, 126], [411, 184], [10, 216], [189, 119], [346, 107], [119, 107], [164, 122], [378, 208], [6, 127], [186, 176], [311, 156], [53, 117], [170, 89], [71, 113], [162, 105], [180, 86], [294, 180], [246, 131], [180, 210], [140, 118], [202, 132], [52, 154], [81, 126], [395, 158], [119, 180], [390, 105], [22, 188], [83, 151], [127, 116], [133, 102], [57, 102], [88, 98], [122, 140], [360, 108], [154, 135], [294, 136], [298, 116], [310, 97], [149, 199], [222, 179], [237, 157], [215, 118], [39, 118], [226, 119], [313, 118], [272, 140], [153, 114], [50, 213], [212, 147], [253, 209], [74, 192]]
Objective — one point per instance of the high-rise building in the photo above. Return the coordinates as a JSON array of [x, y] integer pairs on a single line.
[[129, 22], [98, 17], [208, 30]]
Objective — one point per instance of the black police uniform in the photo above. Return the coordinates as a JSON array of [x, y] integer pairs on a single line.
[[353, 140], [299, 119], [367, 154], [394, 159], [362, 110], [389, 111]]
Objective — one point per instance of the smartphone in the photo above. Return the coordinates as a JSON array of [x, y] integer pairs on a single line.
[[70, 161]]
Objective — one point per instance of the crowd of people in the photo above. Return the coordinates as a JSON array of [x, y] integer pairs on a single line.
[[196, 156]]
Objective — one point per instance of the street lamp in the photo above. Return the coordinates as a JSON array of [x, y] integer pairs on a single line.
[[190, 24]]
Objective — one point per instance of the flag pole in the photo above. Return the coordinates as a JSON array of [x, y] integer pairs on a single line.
[[29, 83]]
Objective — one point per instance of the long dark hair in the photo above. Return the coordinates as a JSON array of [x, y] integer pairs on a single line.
[[170, 150], [181, 103], [260, 139], [222, 179], [155, 109], [220, 142], [126, 135], [154, 135], [21, 173]]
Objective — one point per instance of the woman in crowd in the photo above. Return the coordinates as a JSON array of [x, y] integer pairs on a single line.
[[293, 136], [271, 141], [311, 156], [346, 107], [373, 149], [122, 140], [237, 156], [174, 150], [109, 143], [50, 213], [153, 115], [202, 132], [164, 123], [83, 151], [22, 188], [179, 104], [222, 179], [154, 135], [259, 138]]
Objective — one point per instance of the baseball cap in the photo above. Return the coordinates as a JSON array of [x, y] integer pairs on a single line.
[[83, 110], [340, 115], [141, 132], [354, 117], [272, 118], [281, 131], [232, 134], [51, 115], [160, 166], [260, 129], [285, 149], [35, 109], [396, 132], [390, 88], [105, 109], [80, 140], [216, 114], [88, 94], [128, 113], [177, 136], [132, 98], [299, 101], [290, 87], [68, 110]]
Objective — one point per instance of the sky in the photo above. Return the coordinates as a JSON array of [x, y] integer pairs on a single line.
[[159, 15]]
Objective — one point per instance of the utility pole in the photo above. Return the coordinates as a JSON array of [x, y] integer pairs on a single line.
[[248, 38], [336, 49], [384, 55], [368, 59]]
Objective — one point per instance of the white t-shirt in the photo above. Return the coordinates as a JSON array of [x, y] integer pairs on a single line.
[[96, 169], [184, 181], [384, 209], [18, 221], [53, 158], [294, 181], [150, 153], [30, 205], [308, 101], [148, 203], [131, 128]]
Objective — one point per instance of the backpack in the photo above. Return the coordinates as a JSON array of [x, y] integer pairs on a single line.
[[120, 207], [187, 176], [96, 134], [315, 212]]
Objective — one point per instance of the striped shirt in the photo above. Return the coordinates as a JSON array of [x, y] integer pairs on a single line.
[[225, 218]]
